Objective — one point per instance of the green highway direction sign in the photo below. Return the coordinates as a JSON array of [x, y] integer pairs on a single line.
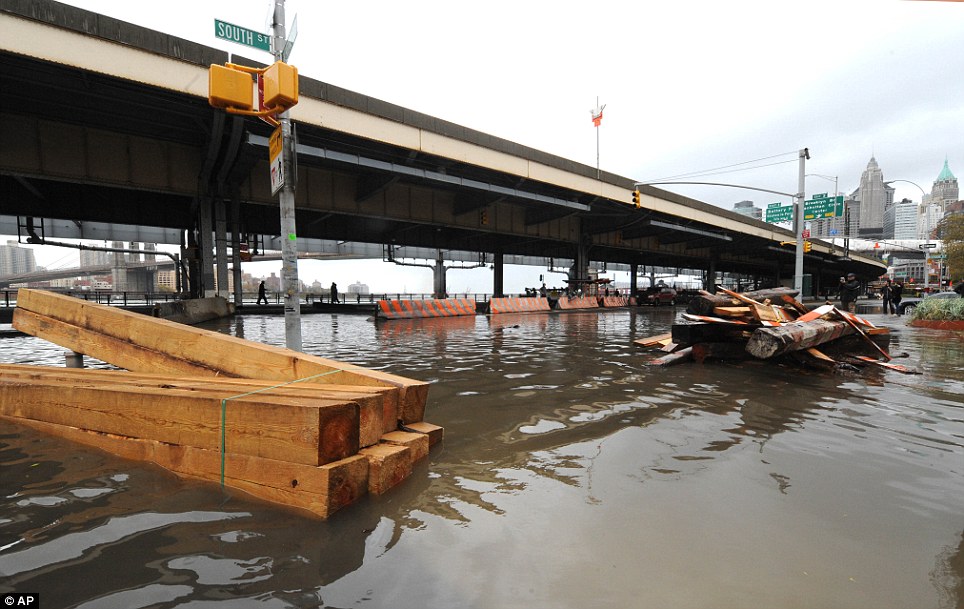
[[777, 213], [236, 33], [821, 206]]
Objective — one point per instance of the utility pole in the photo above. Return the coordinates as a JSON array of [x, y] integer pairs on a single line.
[[798, 223], [286, 197]]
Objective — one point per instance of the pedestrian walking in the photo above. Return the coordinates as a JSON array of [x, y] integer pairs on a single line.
[[262, 294], [896, 294], [334, 293], [887, 298], [849, 288]]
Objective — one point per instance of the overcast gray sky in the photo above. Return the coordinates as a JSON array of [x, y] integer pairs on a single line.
[[688, 85]]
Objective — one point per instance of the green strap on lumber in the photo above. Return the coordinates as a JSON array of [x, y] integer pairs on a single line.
[[224, 407]]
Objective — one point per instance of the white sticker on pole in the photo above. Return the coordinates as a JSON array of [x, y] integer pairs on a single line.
[[276, 161]]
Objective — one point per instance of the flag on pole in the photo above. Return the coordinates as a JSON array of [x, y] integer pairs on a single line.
[[597, 115]]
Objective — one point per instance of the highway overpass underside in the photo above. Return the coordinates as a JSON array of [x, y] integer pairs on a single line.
[[83, 143]]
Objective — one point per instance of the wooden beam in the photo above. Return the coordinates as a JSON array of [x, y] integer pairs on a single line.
[[311, 432], [378, 406], [207, 350], [319, 490]]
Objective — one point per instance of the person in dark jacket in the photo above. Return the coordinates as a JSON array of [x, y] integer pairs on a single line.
[[886, 297], [849, 288], [896, 293], [262, 294]]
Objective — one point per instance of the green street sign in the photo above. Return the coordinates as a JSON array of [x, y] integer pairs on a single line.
[[776, 214], [236, 33], [818, 208]]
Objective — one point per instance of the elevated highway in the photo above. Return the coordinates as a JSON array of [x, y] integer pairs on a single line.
[[103, 121]]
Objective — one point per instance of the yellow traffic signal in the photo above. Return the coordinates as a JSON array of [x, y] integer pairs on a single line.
[[229, 88], [636, 198], [807, 246], [484, 217], [280, 86]]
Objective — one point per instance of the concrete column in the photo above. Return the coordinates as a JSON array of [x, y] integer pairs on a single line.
[[580, 266], [709, 282], [236, 236], [633, 269], [498, 285], [438, 272], [221, 246], [205, 247]]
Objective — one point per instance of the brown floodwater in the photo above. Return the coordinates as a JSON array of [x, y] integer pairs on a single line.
[[572, 474]]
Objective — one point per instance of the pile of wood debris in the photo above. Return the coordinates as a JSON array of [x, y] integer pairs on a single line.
[[772, 325]]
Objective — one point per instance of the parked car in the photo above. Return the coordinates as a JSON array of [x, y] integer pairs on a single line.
[[909, 304], [658, 295]]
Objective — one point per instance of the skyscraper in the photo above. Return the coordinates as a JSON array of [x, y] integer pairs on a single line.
[[875, 197]]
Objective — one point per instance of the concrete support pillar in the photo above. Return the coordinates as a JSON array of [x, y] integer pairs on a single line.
[[633, 270], [709, 282], [236, 238], [221, 246], [498, 278], [438, 272], [580, 265], [206, 247]]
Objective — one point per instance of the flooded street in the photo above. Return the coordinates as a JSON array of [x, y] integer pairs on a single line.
[[571, 475]]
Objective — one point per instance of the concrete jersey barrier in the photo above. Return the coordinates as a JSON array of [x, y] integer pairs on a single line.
[[577, 302], [408, 309], [517, 305]]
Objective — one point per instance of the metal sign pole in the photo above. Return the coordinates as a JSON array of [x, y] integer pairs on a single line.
[[286, 198], [798, 224]]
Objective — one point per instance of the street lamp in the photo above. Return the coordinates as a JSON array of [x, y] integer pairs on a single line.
[[927, 226]]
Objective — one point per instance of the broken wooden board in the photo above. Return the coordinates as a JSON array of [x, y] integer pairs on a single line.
[[706, 302], [683, 355], [652, 341], [157, 345], [888, 365], [768, 342]]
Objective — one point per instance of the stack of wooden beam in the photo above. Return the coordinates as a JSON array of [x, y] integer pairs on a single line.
[[769, 324], [305, 431]]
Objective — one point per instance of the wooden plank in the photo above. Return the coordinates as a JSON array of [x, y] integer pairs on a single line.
[[101, 346], [388, 465], [821, 355], [319, 490], [652, 341], [377, 406], [706, 302], [416, 442], [678, 357], [434, 432], [732, 311], [312, 432], [816, 313], [212, 350]]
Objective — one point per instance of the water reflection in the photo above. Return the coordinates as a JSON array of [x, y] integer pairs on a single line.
[[572, 474]]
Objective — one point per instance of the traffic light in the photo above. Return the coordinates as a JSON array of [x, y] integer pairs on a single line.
[[807, 246], [229, 88], [280, 86], [636, 198], [484, 217]]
